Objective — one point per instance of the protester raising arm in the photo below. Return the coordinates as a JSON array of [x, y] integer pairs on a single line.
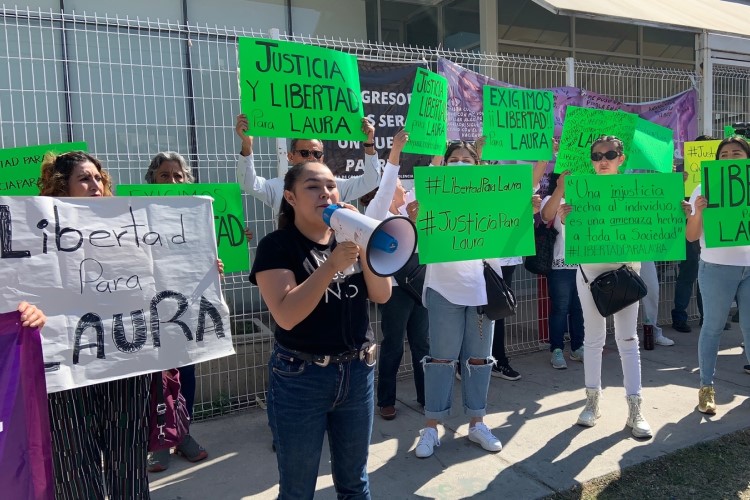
[[270, 191], [379, 207], [259, 187], [359, 185]]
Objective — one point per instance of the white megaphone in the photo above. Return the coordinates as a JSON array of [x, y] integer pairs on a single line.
[[388, 244]]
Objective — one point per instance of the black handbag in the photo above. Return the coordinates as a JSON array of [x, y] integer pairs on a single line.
[[544, 241], [501, 301], [616, 290], [411, 278]]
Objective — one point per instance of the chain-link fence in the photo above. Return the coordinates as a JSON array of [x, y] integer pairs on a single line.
[[132, 88]]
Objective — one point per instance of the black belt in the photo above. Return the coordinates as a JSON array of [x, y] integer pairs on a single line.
[[326, 359]]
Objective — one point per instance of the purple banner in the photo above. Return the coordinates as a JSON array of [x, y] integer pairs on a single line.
[[25, 447], [465, 106]]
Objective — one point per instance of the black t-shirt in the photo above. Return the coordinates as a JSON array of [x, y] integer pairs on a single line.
[[340, 322]]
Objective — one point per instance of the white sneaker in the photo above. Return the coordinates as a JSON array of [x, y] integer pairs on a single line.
[[662, 340], [481, 435], [590, 412], [428, 439]]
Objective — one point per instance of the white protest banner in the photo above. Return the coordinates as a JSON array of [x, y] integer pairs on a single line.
[[129, 285]]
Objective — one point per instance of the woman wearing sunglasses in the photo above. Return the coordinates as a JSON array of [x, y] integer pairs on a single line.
[[722, 275], [606, 158], [271, 191]]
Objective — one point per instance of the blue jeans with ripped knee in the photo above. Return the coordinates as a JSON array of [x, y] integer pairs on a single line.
[[457, 333]]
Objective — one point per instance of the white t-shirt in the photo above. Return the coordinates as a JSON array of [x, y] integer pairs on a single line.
[[461, 283], [730, 256], [558, 256]]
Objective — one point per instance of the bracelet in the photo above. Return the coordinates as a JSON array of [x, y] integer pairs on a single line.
[[368, 144]]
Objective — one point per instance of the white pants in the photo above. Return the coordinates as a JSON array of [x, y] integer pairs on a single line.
[[651, 300], [595, 326]]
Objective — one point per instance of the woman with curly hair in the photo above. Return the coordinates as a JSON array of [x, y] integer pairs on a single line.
[[99, 432]]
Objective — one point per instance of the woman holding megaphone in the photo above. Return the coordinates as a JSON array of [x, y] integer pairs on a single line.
[[322, 366]]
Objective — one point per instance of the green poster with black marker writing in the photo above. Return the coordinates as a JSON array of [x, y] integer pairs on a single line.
[[726, 218], [474, 212], [582, 126], [228, 216], [624, 218], [427, 118], [517, 124], [295, 90], [20, 168]]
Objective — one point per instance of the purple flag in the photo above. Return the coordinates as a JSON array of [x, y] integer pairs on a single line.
[[25, 444]]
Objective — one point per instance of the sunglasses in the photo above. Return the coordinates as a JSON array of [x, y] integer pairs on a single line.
[[610, 155], [305, 153]]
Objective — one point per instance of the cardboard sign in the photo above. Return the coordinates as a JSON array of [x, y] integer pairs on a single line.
[[426, 120], [20, 168], [726, 218], [518, 124], [228, 216], [294, 90], [474, 212], [624, 218], [129, 285]]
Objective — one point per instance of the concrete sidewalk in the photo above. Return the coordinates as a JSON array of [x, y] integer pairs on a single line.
[[543, 449]]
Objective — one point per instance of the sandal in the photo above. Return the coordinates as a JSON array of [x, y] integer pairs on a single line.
[[191, 450], [158, 461]]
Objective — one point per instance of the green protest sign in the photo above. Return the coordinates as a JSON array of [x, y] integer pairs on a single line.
[[228, 215], [726, 218], [694, 153], [624, 218], [518, 124], [290, 89], [728, 131], [20, 168], [474, 212], [427, 118], [652, 147], [582, 126]]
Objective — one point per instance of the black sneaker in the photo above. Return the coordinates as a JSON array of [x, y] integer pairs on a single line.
[[505, 371], [681, 326], [747, 368]]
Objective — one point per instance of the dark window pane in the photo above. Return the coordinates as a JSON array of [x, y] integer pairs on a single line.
[[606, 36], [670, 44], [525, 21]]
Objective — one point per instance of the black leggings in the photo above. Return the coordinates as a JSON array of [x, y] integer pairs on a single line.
[[498, 335]]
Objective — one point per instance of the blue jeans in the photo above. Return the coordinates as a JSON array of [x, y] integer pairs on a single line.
[[566, 313], [720, 283], [400, 316], [683, 286], [304, 402], [456, 333]]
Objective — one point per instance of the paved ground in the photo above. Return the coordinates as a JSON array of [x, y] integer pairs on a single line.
[[534, 417]]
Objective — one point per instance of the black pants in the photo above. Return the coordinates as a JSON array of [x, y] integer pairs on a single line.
[[498, 335]]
